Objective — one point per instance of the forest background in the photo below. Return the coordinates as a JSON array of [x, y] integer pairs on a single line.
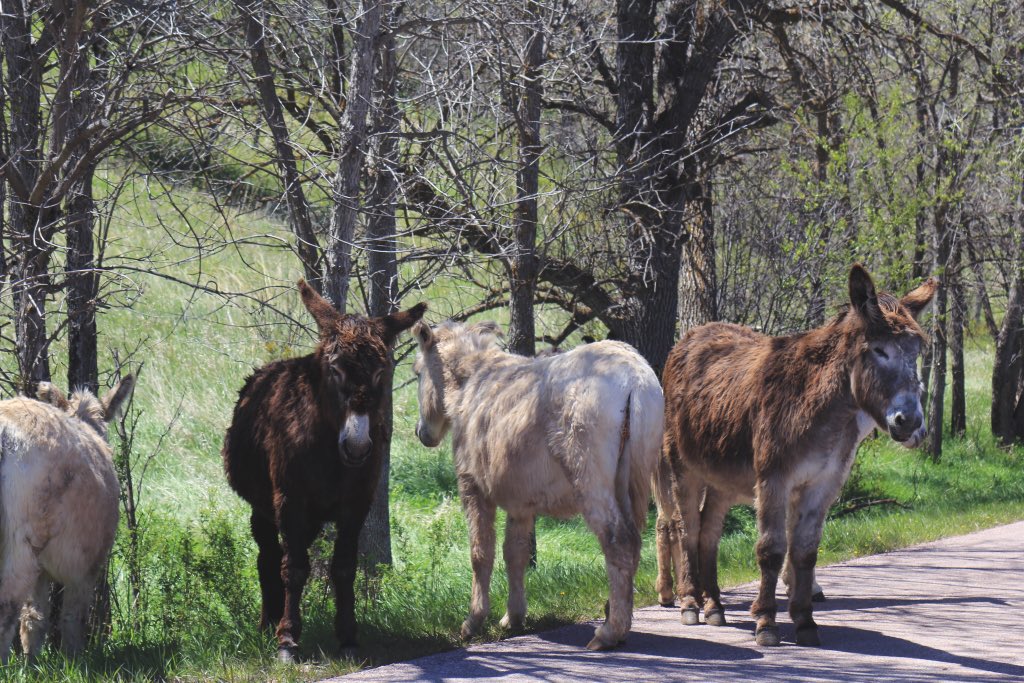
[[575, 169]]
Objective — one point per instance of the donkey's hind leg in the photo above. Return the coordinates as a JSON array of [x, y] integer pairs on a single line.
[[17, 580], [268, 566], [712, 518], [817, 592], [517, 556], [620, 542], [667, 535], [480, 516], [687, 491], [34, 617], [75, 612]]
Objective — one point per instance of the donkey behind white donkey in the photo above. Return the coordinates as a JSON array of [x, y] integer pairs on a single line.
[[58, 509], [572, 433]]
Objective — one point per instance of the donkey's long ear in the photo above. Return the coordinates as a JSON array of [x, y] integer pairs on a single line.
[[49, 393], [918, 299], [863, 297], [325, 315], [424, 335], [117, 397], [393, 325]]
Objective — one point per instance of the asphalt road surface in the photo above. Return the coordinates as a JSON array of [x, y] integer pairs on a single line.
[[952, 610]]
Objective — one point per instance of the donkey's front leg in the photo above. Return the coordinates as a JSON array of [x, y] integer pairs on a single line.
[[480, 516], [809, 509], [517, 556], [297, 533], [343, 576], [772, 498]]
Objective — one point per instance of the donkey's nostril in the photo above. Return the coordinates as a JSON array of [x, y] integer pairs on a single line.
[[899, 419]]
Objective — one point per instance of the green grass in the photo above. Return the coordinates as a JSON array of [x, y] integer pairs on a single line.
[[196, 617]]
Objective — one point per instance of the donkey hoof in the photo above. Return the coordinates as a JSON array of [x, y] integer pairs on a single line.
[[690, 616], [808, 637], [818, 597], [767, 636], [348, 652], [667, 603], [288, 655], [715, 617], [512, 624], [597, 644], [468, 631]]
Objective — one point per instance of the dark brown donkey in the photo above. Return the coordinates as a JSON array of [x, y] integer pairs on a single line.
[[304, 448], [782, 417]]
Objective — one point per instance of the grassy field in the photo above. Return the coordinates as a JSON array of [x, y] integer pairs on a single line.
[[195, 615]]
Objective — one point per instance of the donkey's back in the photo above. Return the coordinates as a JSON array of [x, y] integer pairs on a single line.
[[540, 431], [716, 382], [57, 487]]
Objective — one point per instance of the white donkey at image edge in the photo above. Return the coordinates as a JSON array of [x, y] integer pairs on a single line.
[[58, 509]]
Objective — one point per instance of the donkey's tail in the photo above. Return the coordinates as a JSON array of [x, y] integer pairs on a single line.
[[623, 480], [636, 463]]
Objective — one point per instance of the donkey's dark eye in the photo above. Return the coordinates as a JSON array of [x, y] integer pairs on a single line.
[[880, 352]]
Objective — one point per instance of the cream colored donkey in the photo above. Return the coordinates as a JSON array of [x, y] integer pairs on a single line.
[[572, 433], [58, 509]]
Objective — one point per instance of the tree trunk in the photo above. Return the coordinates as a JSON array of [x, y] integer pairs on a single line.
[[939, 340], [651, 305], [655, 155], [1008, 369], [31, 252], [82, 288], [958, 398], [82, 281], [307, 247], [978, 269], [30, 286], [351, 154], [382, 265], [698, 281], [523, 267], [919, 267], [3, 184]]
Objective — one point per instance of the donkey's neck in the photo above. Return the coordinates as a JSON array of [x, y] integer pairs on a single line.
[[819, 362], [461, 365]]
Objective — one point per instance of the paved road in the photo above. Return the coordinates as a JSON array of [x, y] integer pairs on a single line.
[[946, 611]]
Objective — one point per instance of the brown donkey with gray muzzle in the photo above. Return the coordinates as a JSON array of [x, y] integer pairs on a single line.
[[782, 417]]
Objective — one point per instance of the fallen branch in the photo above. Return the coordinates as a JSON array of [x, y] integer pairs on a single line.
[[862, 503]]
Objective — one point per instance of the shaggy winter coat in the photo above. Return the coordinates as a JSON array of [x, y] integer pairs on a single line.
[[780, 418], [58, 510], [305, 447], [571, 433]]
